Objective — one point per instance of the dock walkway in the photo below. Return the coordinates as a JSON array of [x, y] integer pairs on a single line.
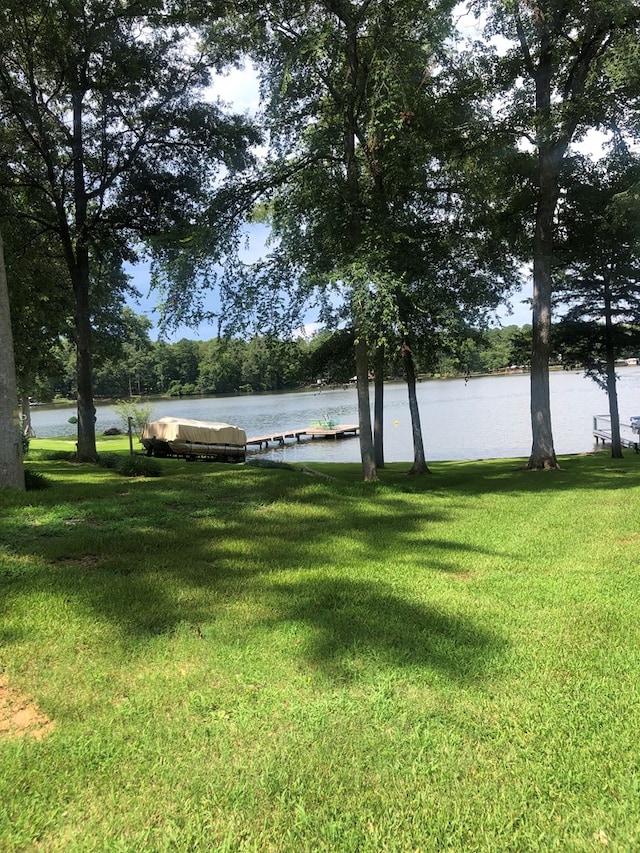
[[628, 438], [279, 438]]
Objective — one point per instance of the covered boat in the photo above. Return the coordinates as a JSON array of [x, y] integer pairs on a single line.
[[193, 439]]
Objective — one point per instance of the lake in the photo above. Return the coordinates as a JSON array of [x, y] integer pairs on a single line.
[[484, 417]]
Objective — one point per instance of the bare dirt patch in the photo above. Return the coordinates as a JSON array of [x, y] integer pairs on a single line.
[[19, 716], [86, 561]]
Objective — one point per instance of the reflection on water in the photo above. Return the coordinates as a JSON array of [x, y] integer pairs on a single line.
[[483, 418]]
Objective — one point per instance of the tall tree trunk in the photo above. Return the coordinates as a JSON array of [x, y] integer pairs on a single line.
[[87, 451], [367, 454], [419, 461], [542, 451], [549, 161], [11, 470], [378, 407], [612, 391]]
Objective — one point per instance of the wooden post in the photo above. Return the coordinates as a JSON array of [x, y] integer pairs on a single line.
[[129, 422]]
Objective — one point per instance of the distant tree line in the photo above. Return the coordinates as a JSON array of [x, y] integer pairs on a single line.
[[138, 366]]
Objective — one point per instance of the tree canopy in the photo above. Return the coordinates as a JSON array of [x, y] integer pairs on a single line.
[[112, 140], [553, 81], [598, 275]]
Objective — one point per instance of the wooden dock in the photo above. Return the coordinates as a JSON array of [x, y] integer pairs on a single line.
[[279, 438], [602, 433]]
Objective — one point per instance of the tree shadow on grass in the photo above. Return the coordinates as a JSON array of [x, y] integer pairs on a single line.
[[356, 625], [577, 472], [150, 556]]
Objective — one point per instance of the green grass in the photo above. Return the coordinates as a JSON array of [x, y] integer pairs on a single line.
[[243, 659]]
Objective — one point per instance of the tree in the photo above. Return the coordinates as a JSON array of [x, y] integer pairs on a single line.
[[41, 307], [557, 82], [123, 364], [384, 205], [600, 284], [378, 406], [346, 80], [419, 459], [331, 356], [112, 145], [11, 470], [41, 310], [220, 369]]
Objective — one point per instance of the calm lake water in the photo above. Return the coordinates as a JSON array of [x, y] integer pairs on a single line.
[[483, 418]]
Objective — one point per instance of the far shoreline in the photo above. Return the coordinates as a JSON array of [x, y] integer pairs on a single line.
[[68, 403]]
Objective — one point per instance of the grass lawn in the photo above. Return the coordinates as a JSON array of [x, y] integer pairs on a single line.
[[228, 658]]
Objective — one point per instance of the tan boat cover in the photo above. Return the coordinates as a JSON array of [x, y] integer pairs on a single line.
[[200, 432]]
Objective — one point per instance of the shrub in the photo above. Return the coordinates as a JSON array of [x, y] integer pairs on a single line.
[[138, 413], [55, 455], [138, 466], [179, 389], [108, 460], [34, 481]]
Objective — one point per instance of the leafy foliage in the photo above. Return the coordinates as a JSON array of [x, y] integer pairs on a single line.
[[36, 481], [111, 143], [134, 412], [266, 363], [552, 82], [134, 465], [599, 262]]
